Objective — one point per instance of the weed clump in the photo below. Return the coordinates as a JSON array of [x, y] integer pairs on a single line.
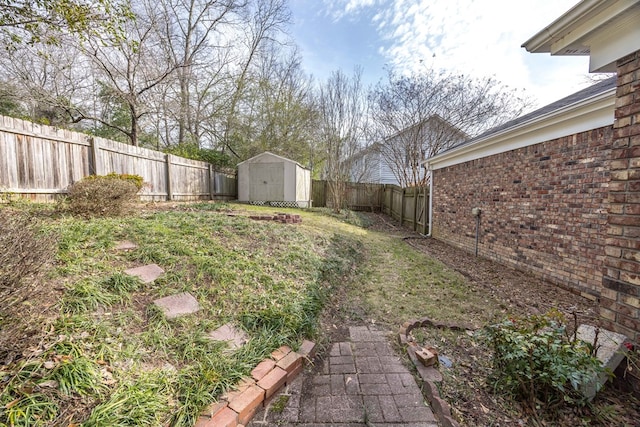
[[536, 361], [25, 251], [104, 195]]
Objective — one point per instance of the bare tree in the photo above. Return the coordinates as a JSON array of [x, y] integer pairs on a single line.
[[342, 111], [47, 21], [420, 115], [190, 31], [265, 21], [48, 81], [128, 72], [277, 113]]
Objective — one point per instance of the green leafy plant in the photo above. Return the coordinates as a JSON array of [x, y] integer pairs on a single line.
[[142, 401], [73, 371], [191, 150], [85, 295], [29, 410], [121, 284], [104, 195], [536, 361]]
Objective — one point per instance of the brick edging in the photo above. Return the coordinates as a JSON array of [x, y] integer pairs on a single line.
[[236, 408], [430, 375], [278, 217]]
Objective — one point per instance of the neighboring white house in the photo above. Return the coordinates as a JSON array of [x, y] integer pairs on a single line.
[[271, 179], [397, 160]]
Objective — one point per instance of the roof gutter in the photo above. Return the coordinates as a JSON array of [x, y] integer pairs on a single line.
[[542, 41]]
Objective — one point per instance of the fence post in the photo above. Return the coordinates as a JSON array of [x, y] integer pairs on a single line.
[[416, 192], [402, 206], [210, 175], [426, 211], [168, 169], [93, 156]]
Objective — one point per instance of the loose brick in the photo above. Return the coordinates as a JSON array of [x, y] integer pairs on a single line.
[[290, 362], [246, 403], [427, 356], [213, 408], [281, 352], [272, 382], [262, 369], [224, 418], [307, 349]]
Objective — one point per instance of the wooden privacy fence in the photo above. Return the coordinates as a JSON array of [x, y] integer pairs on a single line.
[[40, 162], [409, 206]]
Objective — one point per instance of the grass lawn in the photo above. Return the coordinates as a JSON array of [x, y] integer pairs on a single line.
[[89, 347]]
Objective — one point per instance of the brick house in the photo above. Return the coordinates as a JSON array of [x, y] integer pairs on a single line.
[[559, 188]]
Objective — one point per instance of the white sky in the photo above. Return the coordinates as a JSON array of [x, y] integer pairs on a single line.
[[478, 37]]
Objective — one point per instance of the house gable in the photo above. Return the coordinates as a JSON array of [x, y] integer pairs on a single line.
[[383, 158]]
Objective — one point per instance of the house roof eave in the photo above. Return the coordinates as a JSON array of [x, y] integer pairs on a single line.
[[589, 113], [602, 30]]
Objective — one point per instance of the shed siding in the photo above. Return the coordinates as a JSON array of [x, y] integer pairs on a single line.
[[544, 207], [303, 187], [273, 179]]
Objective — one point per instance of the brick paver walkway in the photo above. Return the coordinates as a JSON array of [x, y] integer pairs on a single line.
[[362, 383]]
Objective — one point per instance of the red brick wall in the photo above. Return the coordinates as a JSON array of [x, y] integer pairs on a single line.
[[543, 207], [620, 302]]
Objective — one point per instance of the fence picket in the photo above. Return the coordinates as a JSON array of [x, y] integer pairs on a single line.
[[39, 162], [381, 198]]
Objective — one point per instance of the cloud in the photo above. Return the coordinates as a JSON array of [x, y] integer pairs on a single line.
[[475, 37], [339, 9]]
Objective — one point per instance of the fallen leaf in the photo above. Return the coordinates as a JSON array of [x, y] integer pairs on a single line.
[[12, 403], [49, 384]]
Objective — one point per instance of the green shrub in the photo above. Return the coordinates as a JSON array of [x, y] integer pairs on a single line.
[[537, 362], [191, 150], [104, 195]]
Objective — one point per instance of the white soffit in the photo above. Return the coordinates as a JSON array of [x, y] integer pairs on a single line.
[[582, 116], [606, 30]]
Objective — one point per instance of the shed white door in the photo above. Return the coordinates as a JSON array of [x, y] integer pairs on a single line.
[[266, 182]]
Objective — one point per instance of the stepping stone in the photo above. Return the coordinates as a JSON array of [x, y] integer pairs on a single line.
[[177, 305], [146, 273], [125, 245], [610, 350], [234, 337]]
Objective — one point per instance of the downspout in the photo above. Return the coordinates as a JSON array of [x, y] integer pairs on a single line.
[[430, 201]]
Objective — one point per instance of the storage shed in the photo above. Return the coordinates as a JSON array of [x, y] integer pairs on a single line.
[[274, 180]]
